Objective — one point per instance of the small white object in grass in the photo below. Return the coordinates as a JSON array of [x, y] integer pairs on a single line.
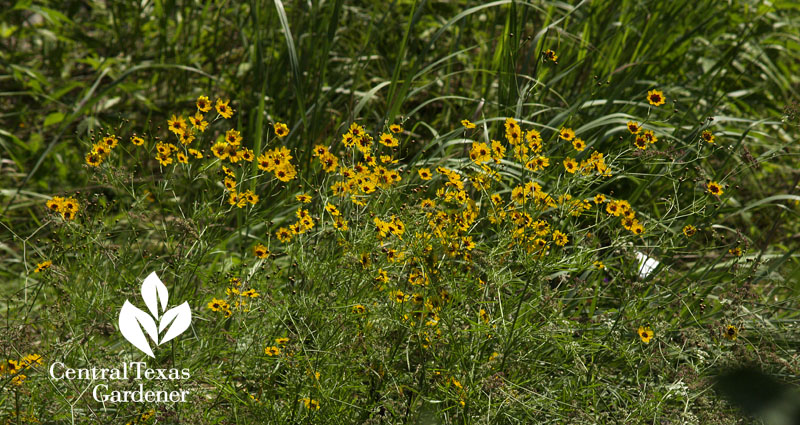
[[646, 264]]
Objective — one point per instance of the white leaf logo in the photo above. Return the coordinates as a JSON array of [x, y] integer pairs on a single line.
[[134, 323]]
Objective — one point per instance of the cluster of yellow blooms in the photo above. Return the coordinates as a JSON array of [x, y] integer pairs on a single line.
[[236, 295], [228, 149], [67, 207], [43, 266], [239, 199], [101, 150], [14, 368], [621, 208], [358, 181], [643, 138], [310, 403], [448, 219], [144, 417], [277, 161]]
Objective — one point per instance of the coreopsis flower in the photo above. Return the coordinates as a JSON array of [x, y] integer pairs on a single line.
[[303, 197], [513, 131], [182, 158], [538, 163], [714, 188], [498, 151], [164, 159], [286, 172], [69, 208], [234, 155], [655, 97], [236, 199], [93, 159], [137, 140], [533, 137], [163, 148], [310, 403], [427, 204], [284, 235], [203, 104], [467, 124], [340, 188], [599, 198], [634, 127], [54, 203], [110, 141], [32, 360], [281, 130], [560, 238], [359, 309], [731, 332], [578, 144], [650, 136], [398, 296], [396, 128], [329, 162], [272, 351], [101, 149], [566, 133], [387, 139], [176, 124], [550, 55], [260, 251], [689, 230], [332, 210], [640, 142], [356, 130], [570, 165], [217, 305], [480, 153], [220, 150], [707, 136], [43, 266], [599, 265], [628, 222], [198, 121], [613, 208], [250, 197], [340, 224], [223, 109], [382, 276], [425, 173], [251, 293], [233, 137], [646, 334], [196, 153]]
